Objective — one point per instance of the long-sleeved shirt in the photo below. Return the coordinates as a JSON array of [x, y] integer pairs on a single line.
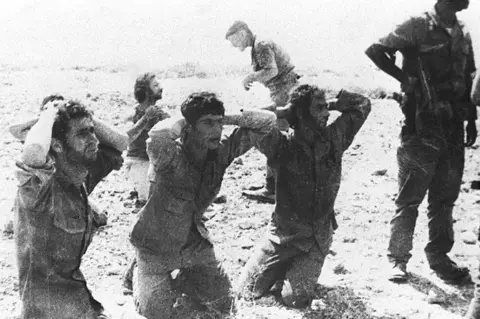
[[447, 54], [308, 177], [138, 147], [53, 229], [266, 55], [181, 191]]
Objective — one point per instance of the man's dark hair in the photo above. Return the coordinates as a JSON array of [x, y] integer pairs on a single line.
[[237, 26], [199, 104], [142, 89], [51, 98], [300, 100], [68, 111]]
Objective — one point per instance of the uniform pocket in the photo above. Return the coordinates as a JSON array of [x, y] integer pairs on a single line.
[[69, 224]]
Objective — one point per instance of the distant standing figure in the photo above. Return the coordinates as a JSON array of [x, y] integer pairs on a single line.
[[436, 78], [147, 92], [272, 67]]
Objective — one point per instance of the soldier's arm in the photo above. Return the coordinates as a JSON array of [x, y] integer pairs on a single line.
[[110, 136], [404, 37], [476, 90], [384, 59], [266, 60]]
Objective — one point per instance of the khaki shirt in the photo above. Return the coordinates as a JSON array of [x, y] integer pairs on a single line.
[[266, 54], [181, 191], [308, 177], [448, 53], [53, 228]]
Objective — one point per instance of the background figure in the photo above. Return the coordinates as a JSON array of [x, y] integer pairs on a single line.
[[147, 92], [436, 78], [309, 169], [272, 67]]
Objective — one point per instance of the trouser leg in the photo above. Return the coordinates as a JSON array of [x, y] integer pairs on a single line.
[[267, 265], [154, 294], [444, 191], [416, 164], [302, 276]]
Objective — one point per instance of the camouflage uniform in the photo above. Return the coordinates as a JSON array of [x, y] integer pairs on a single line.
[[300, 232], [265, 55], [431, 155]]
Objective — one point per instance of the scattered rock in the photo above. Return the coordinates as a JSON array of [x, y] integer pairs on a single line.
[[340, 269], [222, 199], [475, 185], [246, 225], [435, 297], [238, 161], [318, 305], [8, 227], [469, 238], [380, 172], [349, 240]]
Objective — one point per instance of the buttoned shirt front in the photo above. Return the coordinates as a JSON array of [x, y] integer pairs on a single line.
[[53, 229], [181, 191]]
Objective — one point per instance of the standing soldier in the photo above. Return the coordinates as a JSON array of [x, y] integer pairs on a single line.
[[271, 67], [436, 78]]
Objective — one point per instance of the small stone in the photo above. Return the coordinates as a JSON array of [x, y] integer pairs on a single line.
[[238, 161], [246, 225], [222, 199], [318, 304], [435, 297], [121, 300], [340, 269], [380, 172], [8, 227], [469, 238]]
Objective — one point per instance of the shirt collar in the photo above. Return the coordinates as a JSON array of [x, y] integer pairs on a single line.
[[439, 23]]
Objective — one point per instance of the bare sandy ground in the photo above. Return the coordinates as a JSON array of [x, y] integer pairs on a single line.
[[355, 271]]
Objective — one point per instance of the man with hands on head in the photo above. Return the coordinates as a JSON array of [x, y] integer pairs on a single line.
[[286, 264], [188, 159], [66, 153]]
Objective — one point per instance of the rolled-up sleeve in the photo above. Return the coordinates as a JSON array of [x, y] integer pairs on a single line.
[[405, 35], [161, 145], [257, 128], [33, 183]]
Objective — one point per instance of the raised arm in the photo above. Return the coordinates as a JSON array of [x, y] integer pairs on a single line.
[[266, 60], [161, 144], [151, 113], [110, 136], [39, 138], [256, 128], [355, 109]]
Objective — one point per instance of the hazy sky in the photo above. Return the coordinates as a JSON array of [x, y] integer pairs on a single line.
[[327, 33]]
